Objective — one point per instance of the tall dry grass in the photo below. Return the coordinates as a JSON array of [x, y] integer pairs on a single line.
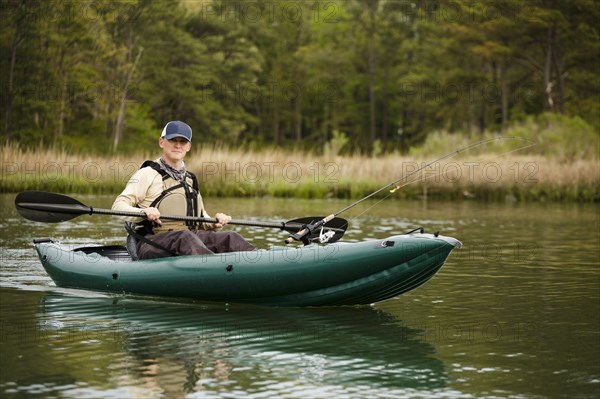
[[63, 171], [236, 172]]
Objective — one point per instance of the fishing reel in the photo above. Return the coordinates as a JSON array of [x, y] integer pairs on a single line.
[[318, 231]]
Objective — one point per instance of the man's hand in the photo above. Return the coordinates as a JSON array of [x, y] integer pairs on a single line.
[[152, 214], [222, 220]]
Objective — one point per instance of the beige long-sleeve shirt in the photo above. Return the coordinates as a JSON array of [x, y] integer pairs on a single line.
[[142, 189]]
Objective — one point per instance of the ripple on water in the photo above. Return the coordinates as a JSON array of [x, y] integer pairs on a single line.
[[514, 314]]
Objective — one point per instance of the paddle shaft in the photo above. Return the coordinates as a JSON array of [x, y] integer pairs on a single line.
[[195, 219], [77, 209]]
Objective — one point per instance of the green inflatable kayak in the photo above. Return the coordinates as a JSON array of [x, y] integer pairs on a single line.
[[313, 275]]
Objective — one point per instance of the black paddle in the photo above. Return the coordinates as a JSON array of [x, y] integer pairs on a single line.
[[46, 207]]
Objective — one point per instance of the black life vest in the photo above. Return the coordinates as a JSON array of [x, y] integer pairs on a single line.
[[176, 196]]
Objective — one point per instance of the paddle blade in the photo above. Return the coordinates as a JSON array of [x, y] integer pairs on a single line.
[[336, 225], [46, 207]]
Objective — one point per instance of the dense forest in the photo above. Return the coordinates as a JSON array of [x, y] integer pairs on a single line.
[[106, 75]]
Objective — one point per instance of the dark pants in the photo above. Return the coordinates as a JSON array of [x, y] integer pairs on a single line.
[[186, 242]]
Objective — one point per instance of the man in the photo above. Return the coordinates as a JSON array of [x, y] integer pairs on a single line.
[[165, 186]]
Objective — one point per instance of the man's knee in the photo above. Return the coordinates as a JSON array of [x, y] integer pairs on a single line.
[[188, 243], [238, 243], [186, 235]]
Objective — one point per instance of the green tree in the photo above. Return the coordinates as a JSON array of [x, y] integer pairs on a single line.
[[106, 75]]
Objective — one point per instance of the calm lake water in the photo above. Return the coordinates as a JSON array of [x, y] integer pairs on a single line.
[[514, 314]]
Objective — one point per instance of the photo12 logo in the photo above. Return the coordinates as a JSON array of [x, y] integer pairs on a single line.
[[467, 92], [253, 12], [269, 172], [464, 12], [67, 12], [470, 172], [89, 171], [272, 92]]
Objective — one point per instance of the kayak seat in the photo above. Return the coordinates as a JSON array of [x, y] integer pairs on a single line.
[[133, 239], [117, 253]]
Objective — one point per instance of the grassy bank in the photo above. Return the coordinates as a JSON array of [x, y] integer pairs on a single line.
[[231, 172]]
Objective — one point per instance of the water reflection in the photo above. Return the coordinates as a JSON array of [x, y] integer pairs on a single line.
[[194, 346], [109, 344]]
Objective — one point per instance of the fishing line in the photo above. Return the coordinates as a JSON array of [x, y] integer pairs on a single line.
[[447, 156], [421, 179]]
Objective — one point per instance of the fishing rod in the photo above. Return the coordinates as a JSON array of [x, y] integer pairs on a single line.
[[311, 228], [421, 179]]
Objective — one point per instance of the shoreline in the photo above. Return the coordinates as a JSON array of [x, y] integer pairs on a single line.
[[237, 173]]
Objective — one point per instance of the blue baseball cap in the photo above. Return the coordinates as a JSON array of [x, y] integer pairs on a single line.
[[177, 129]]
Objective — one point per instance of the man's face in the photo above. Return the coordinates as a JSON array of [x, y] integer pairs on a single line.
[[175, 149]]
